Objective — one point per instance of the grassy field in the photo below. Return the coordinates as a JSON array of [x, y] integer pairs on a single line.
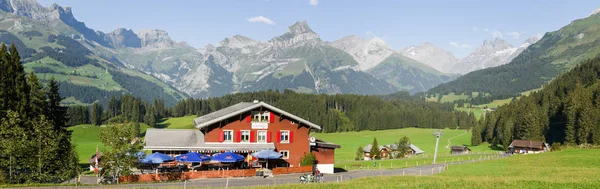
[[574, 168], [422, 138], [185, 122], [87, 137]]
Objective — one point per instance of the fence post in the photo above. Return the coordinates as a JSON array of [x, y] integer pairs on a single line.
[[402, 172], [406, 164], [420, 172], [417, 163], [432, 170], [227, 184]]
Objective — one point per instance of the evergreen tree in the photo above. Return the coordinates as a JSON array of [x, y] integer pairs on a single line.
[[137, 131], [55, 112], [96, 114], [37, 97], [375, 151]]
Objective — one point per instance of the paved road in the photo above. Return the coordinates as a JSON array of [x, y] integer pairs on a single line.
[[280, 179]]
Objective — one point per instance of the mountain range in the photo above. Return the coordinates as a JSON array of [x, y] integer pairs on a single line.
[[555, 53], [55, 44], [490, 54]]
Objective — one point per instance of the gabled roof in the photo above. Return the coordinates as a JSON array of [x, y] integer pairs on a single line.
[[460, 148], [239, 108], [173, 138], [527, 144], [322, 143], [416, 149]]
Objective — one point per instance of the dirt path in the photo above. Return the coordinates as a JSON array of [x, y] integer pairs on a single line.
[[448, 146]]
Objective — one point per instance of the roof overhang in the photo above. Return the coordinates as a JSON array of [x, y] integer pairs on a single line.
[[257, 105]]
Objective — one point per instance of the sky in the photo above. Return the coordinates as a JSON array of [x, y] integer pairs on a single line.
[[456, 26]]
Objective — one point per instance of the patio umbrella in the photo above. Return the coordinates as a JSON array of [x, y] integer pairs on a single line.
[[192, 157], [156, 158], [227, 157], [267, 154]]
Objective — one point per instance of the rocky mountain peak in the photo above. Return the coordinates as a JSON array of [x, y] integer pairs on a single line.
[[237, 41], [300, 27], [122, 37], [298, 33], [431, 55], [155, 38], [492, 46], [368, 53]]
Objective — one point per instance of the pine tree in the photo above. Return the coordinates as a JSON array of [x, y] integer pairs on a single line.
[[375, 151], [21, 89], [4, 81], [55, 112], [96, 114], [476, 135], [37, 97]]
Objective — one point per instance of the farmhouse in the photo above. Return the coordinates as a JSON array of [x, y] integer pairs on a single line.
[[390, 149], [245, 128], [460, 150], [527, 146]]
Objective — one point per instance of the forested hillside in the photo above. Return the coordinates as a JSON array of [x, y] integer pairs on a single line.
[[557, 52], [336, 113], [567, 110]]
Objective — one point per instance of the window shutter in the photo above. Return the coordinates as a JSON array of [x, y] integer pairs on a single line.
[[268, 136], [271, 117], [249, 118], [278, 136], [291, 136], [252, 136], [238, 136], [221, 136]]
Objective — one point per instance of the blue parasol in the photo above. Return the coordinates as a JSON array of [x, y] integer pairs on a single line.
[[228, 157], [192, 157], [267, 154], [156, 158]]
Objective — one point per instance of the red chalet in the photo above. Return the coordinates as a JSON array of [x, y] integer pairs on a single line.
[[245, 128]]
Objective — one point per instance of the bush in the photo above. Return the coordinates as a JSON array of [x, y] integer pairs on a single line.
[[308, 159], [556, 146], [359, 153]]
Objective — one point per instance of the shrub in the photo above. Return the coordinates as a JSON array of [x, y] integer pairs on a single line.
[[308, 159]]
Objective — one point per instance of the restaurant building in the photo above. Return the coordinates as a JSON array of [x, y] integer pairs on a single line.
[[245, 128]]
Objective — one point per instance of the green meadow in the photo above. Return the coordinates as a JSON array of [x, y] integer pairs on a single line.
[[573, 168], [421, 138]]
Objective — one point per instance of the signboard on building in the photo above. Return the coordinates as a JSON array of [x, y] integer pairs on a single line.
[[260, 125]]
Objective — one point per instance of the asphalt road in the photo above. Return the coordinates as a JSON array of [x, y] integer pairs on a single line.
[[279, 179]]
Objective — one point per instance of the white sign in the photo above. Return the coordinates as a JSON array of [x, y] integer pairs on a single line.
[[260, 125], [313, 144]]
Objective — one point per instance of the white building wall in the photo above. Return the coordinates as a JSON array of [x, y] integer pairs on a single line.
[[325, 168]]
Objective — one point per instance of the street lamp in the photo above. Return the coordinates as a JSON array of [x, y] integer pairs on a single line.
[[437, 133]]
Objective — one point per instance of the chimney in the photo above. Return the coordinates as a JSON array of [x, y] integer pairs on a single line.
[[255, 101]]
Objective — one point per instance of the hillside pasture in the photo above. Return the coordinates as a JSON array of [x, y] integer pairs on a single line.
[[573, 168]]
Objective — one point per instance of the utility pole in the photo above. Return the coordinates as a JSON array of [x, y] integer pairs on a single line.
[[437, 133]]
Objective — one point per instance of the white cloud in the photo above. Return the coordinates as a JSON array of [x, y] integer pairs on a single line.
[[313, 2], [261, 19], [497, 34], [458, 45], [475, 28], [486, 30], [514, 35]]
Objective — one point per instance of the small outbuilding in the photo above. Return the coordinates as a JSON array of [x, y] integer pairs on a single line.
[[456, 150], [527, 147]]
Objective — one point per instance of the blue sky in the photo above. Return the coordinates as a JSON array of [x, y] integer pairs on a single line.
[[456, 26]]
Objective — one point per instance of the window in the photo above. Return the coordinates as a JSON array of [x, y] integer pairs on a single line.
[[260, 116], [285, 154], [227, 136], [245, 136], [261, 136], [284, 137]]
